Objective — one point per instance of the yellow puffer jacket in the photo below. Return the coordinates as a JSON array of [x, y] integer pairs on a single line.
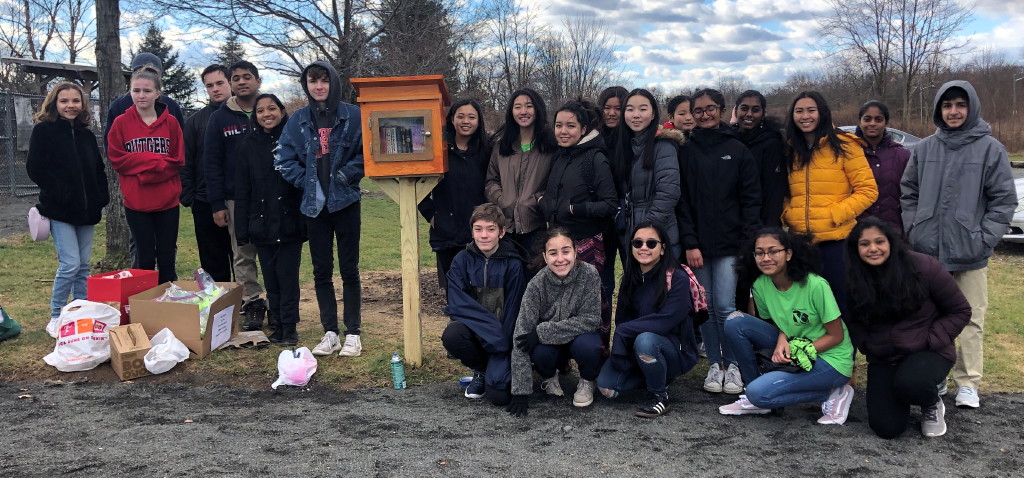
[[826, 197]]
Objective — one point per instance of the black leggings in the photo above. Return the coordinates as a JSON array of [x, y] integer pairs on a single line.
[[280, 265], [894, 387], [156, 237]]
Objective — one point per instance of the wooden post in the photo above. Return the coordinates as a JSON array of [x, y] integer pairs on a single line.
[[408, 191]]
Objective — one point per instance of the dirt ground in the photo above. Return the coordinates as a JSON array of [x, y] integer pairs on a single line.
[[13, 214]]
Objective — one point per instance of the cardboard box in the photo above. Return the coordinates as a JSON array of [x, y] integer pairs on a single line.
[[104, 288], [128, 346], [183, 319]]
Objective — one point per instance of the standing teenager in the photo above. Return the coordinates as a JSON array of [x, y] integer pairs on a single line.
[[802, 312], [905, 311], [654, 340], [611, 102], [887, 158], [558, 320], [65, 162], [830, 184], [648, 171], [762, 135], [448, 206], [519, 165], [146, 148], [718, 209], [321, 153], [267, 215], [224, 132], [580, 194]]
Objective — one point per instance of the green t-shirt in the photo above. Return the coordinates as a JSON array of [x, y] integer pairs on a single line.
[[802, 311], [526, 147]]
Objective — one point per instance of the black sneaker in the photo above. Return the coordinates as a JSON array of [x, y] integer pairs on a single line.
[[476, 388], [289, 336], [254, 313], [654, 407]]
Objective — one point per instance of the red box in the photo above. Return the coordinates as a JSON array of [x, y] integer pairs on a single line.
[[103, 288]]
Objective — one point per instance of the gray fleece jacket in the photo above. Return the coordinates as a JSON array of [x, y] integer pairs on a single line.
[[559, 310], [957, 193]]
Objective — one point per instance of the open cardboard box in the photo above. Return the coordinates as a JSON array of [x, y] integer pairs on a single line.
[[183, 319], [128, 347]]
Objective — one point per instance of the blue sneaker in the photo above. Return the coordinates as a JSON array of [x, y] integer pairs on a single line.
[[475, 390]]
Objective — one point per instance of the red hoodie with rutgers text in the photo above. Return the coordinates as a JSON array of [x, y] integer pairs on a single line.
[[147, 159]]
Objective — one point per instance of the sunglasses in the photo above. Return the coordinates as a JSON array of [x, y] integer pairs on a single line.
[[651, 243]]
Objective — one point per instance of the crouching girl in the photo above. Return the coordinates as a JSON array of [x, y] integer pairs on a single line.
[[558, 320]]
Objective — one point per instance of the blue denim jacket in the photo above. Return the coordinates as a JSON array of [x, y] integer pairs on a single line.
[[295, 159]]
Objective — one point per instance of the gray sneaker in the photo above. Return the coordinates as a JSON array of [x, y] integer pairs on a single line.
[[733, 383], [552, 386], [715, 378], [328, 345], [933, 420], [967, 397]]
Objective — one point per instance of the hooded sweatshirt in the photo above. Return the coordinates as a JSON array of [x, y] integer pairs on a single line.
[[147, 159], [957, 192], [323, 114], [224, 132]]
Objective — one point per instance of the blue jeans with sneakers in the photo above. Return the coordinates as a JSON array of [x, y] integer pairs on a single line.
[[74, 249], [746, 334], [718, 276], [666, 364]]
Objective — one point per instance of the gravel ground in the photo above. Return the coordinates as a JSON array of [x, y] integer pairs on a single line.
[[131, 429]]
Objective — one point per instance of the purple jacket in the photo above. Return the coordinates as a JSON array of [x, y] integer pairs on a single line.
[[887, 163], [933, 327]]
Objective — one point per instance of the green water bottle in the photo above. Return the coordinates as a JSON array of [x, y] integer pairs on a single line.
[[397, 371]]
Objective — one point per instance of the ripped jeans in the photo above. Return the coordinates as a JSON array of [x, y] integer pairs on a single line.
[[664, 363]]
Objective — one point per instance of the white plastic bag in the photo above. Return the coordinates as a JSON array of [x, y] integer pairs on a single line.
[[167, 352], [295, 367], [83, 338]]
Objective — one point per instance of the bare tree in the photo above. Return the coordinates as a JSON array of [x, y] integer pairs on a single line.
[[515, 34], [866, 28], [53, 30], [108, 66]]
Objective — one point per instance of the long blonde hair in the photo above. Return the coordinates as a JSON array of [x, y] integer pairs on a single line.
[[48, 110]]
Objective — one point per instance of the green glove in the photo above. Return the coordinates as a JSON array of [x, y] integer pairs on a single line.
[[802, 352]]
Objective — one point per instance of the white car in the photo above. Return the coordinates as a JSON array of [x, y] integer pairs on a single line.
[[1016, 231]]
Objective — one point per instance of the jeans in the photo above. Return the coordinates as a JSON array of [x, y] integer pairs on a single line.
[[214, 243], [585, 349], [747, 333], [74, 248], [894, 387], [280, 264], [663, 363], [156, 236], [718, 276], [343, 225]]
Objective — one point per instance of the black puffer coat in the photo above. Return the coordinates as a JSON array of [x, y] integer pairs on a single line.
[[567, 187], [451, 202], [266, 206], [768, 148]]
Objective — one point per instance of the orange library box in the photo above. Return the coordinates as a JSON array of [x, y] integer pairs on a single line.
[[403, 125]]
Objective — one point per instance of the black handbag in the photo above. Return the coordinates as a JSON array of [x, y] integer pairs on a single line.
[[765, 363]]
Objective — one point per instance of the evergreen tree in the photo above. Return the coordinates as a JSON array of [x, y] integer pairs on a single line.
[[179, 82], [230, 52]]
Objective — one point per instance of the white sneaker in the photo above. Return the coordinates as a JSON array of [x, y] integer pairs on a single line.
[[53, 328], [836, 409], [584, 395], [967, 397], [328, 345], [742, 407], [713, 383], [552, 387], [353, 347], [733, 383]]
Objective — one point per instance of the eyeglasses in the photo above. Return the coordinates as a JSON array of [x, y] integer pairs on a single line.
[[651, 243], [698, 112], [772, 252]]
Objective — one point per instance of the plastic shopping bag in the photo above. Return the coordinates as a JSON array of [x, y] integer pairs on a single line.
[[295, 367], [83, 341], [167, 352]]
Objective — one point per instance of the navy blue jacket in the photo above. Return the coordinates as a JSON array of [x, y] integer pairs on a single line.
[[193, 175], [224, 132], [484, 293], [672, 321]]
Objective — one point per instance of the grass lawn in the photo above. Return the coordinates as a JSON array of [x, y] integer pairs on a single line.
[[27, 268]]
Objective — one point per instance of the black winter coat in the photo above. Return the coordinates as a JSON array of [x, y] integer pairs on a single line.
[[193, 178], [720, 204], [451, 202], [266, 206], [567, 187], [64, 161], [768, 148]]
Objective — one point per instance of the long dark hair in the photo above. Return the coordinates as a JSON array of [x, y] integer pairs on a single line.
[[276, 132], [800, 154], [586, 113], [543, 138], [479, 137], [624, 147], [806, 258], [632, 278], [885, 292], [864, 109], [609, 93]]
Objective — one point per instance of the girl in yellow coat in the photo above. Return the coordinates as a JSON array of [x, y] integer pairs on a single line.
[[830, 184]]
